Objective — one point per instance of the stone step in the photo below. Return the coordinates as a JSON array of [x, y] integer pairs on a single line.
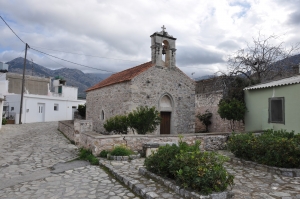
[[127, 172]]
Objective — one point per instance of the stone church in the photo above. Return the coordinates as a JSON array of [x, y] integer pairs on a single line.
[[157, 83]]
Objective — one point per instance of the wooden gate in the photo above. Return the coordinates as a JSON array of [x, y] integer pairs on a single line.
[[165, 124]]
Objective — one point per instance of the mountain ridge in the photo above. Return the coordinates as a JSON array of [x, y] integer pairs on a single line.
[[73, 77]]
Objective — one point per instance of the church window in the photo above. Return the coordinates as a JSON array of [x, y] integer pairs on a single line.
[[102, 115]]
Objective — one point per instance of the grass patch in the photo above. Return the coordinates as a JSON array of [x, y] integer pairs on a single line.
[[87, 155], [121, 151]]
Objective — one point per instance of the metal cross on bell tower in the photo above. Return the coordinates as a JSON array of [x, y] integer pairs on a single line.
[[163, 28]]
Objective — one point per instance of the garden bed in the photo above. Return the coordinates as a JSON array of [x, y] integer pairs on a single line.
[[185, 192]]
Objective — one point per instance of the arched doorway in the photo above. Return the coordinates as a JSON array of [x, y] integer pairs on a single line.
[[165, 105]]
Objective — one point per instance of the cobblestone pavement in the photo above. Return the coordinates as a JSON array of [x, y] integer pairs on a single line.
[[26, 153], [128, 173], [249, 183], [28, 150], [257, 184]]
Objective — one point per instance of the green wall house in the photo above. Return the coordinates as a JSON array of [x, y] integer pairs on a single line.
[[274, 105]]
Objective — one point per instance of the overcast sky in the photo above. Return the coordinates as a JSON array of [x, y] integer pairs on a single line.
[[207, 31]]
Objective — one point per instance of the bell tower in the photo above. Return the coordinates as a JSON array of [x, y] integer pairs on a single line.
[[163, 49]]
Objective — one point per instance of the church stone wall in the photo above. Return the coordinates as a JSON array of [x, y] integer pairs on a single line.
[[150, 86], [112, 100], [208, 94]]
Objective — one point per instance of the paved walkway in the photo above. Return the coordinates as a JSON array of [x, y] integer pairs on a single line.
[[27, 152], [249, 183]]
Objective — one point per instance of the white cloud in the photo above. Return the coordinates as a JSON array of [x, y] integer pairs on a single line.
[[206, 31]]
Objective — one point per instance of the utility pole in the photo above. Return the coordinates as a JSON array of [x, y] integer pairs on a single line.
[[23, 82]]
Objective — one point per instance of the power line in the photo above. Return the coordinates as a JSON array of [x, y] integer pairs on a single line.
[[71, 61], [88, 55], [12, 30]]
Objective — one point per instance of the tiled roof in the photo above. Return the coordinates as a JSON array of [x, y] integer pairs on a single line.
[[281, 82], [123, 76]]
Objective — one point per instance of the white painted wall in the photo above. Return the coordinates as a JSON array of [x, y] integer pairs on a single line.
[[30, 112], [3, 84], [70, 92]]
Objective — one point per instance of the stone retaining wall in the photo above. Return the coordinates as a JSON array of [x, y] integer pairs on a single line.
[[83, 136], [67, 127]]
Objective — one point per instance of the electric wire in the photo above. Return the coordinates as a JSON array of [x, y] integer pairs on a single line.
[[87, 55], [71, 61], [12, 29]]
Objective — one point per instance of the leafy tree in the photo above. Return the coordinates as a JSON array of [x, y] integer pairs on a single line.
[[205, 119], [144, 119], [232, 110], [82, 110], [265, 59], [118, 124]]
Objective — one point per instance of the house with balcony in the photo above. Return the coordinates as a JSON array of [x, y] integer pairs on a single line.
[[39, 103]]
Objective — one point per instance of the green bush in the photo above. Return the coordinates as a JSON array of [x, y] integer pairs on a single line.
[[87, 155], [144, 119], [4, 121], [118, 124], [205, 119], [201, 171], [273, 148], [81, 110], [232, 110], [159, 162], [103, 153], [121, 151]]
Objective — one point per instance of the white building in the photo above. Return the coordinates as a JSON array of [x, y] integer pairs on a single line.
[[37, 105]]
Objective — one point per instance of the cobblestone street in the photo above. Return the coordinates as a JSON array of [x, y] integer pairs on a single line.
[[27, 152]]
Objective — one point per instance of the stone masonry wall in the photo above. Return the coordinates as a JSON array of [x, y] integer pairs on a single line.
[[80, 132], [67, 127], [210, 101], [148, 88], [113, 100], [96, 143]]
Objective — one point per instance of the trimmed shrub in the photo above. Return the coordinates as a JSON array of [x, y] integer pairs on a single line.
[[273, 148], [82, 110], [87, 155], [201, 171], [4, 121], [144, 119], [103, 153], [159, 162], [117, 124], [121, 151]]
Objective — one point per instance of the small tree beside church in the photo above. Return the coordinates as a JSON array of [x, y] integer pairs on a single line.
[[144, 119], [117, 124]]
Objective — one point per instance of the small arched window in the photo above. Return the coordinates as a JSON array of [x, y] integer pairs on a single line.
[[102, 115]]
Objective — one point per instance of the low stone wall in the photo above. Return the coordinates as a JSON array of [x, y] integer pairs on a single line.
[[81, 133], [67, 127], [97, 143]]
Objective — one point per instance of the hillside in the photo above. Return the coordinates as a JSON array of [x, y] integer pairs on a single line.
[[74, 77]]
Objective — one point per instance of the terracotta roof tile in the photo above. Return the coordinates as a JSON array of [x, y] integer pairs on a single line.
[[123, 76]]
